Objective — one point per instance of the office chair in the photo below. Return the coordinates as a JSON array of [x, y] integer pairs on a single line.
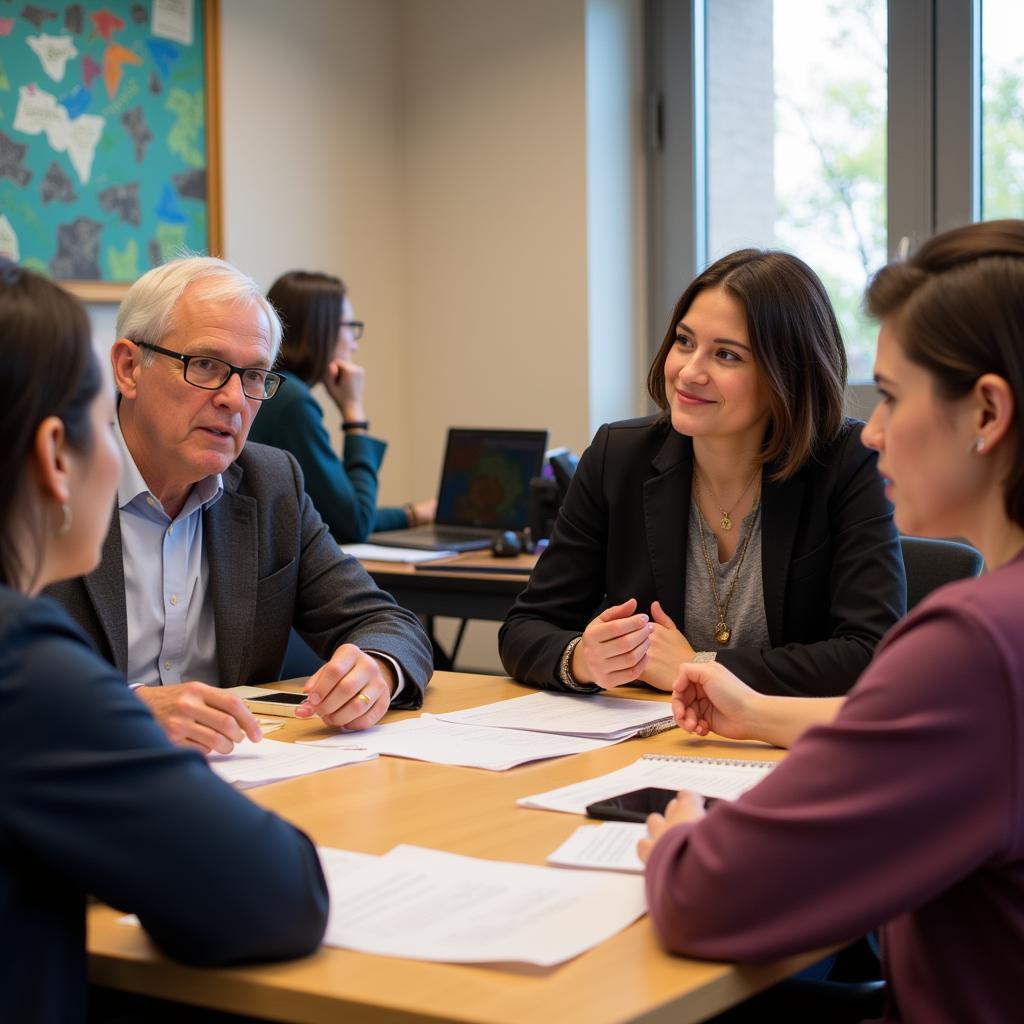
[[931, 563]]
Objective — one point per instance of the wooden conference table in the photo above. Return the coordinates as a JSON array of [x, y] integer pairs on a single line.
[[373, 806]]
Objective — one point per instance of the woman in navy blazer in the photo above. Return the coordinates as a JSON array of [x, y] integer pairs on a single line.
[[320, 338], [646, 566], [96, 800]]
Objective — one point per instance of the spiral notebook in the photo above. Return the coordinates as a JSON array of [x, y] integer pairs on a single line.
[[722, 778]]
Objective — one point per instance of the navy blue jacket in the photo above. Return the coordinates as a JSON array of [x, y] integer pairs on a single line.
[[94, 800]]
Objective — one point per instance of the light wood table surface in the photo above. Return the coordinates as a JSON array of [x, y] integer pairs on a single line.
[[373, 806]]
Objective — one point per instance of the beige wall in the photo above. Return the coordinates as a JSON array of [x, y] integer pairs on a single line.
[[494, 185]]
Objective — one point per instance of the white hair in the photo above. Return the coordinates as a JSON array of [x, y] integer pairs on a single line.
[[147, 311]]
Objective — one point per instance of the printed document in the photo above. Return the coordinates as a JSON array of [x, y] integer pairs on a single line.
[[428, 738], [427, 905], [256, 764], [598, 717], [610, 846]]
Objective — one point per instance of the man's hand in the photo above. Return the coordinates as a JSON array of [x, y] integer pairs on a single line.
[[352, 691], [614, 647], [201, 716], [686, 806], [668, 650]]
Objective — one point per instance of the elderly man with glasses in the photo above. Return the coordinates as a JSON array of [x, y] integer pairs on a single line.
[[214, 550]]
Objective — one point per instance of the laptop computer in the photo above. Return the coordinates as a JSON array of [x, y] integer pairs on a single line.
[[485, 488]]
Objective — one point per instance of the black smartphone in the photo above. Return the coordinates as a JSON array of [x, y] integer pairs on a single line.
[[278, 697], [633, 806]]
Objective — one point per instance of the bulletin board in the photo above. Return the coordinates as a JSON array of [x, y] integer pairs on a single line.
[[109, 138]]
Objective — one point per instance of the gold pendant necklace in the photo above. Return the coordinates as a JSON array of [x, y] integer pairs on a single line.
[[726, 521], [723, 634]]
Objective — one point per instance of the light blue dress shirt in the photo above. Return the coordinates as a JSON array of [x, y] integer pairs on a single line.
[[172, 635], [171, 632]]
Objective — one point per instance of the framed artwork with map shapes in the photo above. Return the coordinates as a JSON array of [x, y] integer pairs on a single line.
[[109, 138]]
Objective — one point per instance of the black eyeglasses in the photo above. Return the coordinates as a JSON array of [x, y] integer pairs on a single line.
[[355, 326], [212, 374]]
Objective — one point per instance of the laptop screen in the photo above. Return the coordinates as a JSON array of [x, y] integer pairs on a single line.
[[485, 480]]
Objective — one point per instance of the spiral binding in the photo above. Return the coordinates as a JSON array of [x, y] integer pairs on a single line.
[[707, 760]]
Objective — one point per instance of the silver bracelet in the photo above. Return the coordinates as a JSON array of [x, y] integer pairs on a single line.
[[701, 657], [565, 670]]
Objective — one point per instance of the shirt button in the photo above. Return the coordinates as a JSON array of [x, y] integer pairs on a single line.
[[151, 503], [167, 665], [174, 598]]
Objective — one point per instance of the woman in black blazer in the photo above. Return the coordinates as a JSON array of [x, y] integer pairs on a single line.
[[96, 800], [648, 562]]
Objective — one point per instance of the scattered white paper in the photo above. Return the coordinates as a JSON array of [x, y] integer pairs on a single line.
[[427, 905], [380, 553], [256, 764], [428, 738], [569, 715], [610, 846], [718, 778], [172, 19]]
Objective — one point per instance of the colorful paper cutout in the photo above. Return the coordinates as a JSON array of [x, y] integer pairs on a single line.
[[90, 69], [169, 209], [78, 250], [124, 263], [53, 52], [183, 137], [37, 15], [114, 58], [77, 101], [106, 24], [164, 54], [6, 26]]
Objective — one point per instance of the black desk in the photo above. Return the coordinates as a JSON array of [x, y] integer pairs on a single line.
[[468, 586], [481, 588]]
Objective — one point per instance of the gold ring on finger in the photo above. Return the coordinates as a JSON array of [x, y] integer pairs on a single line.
[[365, 697]]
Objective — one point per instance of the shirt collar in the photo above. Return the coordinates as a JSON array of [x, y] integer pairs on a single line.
[[133, 485]]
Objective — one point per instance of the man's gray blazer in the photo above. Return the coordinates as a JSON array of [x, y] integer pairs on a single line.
[[273, 564]]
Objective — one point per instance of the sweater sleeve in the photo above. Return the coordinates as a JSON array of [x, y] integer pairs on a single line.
[[344, 490], [854, 827]]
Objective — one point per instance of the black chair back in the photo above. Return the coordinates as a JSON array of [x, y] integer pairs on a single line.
[[931, 563]]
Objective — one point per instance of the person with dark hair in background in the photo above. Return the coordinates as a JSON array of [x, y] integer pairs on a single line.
[[96, 800], [921, 828], [745, 523], [320, 338]]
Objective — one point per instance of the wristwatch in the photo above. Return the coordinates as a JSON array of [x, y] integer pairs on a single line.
[[701, 657]]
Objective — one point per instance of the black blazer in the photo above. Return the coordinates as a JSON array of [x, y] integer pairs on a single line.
[[273, 565], [831, 563], [94, 799]]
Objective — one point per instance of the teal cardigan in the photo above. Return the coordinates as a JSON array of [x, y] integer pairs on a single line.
[[344, 490]]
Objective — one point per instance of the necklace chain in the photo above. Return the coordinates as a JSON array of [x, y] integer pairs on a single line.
[[722, 630], [726, 521]]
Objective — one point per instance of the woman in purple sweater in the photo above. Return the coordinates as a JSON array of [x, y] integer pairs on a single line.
[[902, 805]]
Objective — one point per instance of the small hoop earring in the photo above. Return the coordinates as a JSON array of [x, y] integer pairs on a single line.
[[65, 523]]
